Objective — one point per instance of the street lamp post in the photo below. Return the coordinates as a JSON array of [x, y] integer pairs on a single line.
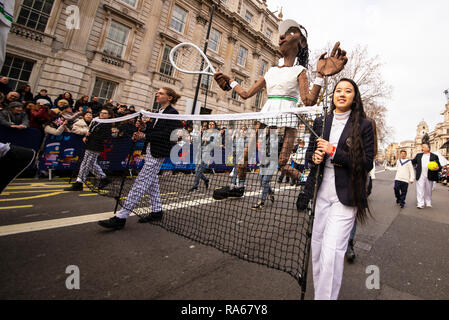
[[212, 11]]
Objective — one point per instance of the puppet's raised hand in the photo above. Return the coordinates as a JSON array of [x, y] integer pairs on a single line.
[[333, 64], [223, 81]]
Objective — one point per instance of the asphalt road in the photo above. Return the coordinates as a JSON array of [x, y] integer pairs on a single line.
[[43, 230]]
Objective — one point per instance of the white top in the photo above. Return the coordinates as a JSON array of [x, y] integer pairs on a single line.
[[424, 162], [338, 125], [282, 82], [7, 12], [405, 171]]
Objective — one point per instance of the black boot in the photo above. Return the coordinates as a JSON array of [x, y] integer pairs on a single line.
[[258, 206], [77, 186], [207, 184], [13, 163], [350, 254], [113, 223], [153, 216]]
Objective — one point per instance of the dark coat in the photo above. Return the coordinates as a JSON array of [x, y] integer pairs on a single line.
[[26, 96], [8, 118], [5, 88], [341, 161], [99, 132], [96, 107], [159, 136], [431, 175]]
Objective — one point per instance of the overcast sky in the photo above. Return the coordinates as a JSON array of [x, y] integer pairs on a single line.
[[410, 37]]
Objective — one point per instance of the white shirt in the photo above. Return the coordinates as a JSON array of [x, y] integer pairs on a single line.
[[338, 125], [405, 172], [160, 111], [424, 162]]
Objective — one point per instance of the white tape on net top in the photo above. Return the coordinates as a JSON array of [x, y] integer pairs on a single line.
[[214, 117]]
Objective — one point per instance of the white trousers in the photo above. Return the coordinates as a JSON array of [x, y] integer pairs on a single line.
[[424, 191], [90, 164], [331, 229], [146, 181]]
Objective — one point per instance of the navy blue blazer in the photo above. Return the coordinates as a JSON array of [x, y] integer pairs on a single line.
[[341, 160], [159, 136], [431, 175]]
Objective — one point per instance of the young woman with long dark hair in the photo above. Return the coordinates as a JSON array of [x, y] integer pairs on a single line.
[[345, 154], [285, 84]]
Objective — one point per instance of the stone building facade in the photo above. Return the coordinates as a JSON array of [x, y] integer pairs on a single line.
[[437, 137], [119, 48], [391, 153]]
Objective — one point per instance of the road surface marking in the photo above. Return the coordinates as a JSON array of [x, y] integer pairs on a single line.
[[67, 222], [29, 191], [17, 207], [35, 197], [51, 224]]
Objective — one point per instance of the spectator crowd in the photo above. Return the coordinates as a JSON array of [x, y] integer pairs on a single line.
[[21, 109]]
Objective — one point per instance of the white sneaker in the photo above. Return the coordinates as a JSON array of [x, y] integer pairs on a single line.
[[420, 207], [429, 206]]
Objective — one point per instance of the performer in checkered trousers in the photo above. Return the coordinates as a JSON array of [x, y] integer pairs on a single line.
[[94, 141], [156, 133]]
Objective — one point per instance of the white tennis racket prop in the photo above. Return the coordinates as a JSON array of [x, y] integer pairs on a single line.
[[187, 57]]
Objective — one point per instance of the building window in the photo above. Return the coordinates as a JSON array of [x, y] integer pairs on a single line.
[[34, 14], [205, 111], [248, 16], [206, 81], [268, 33], [263, 68], [116, 39], [166, 66], [17, 70], [214, 40], [258, 100], [103, 89], [241, 58], [132, 3], [235, 95], [178, 19]]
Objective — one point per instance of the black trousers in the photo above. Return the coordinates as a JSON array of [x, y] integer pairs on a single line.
[[400, 191]]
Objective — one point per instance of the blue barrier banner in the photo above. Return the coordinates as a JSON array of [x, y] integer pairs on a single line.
[[28, 138], [66, 151], [62, 152]]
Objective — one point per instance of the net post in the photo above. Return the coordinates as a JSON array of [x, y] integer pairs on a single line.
[[312, 206]]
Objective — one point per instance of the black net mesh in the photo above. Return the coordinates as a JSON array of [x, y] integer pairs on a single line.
[[200, 184]]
